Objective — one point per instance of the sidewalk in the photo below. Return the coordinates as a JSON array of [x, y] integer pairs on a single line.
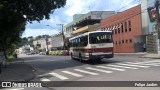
[[17, 71], [154, 56], [141, 54]]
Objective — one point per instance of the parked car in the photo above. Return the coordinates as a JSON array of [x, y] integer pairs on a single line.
[[66, 52], [42, 53]]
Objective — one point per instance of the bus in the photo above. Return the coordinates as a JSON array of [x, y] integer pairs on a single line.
[[94, 45]]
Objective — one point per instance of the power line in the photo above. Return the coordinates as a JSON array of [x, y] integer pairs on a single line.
[[89, 7], [128, 4], [142, 11]]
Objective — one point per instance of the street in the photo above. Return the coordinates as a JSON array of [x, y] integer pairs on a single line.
[[119, 68]]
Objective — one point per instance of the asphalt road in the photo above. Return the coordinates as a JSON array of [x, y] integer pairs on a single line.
[[119, 68]]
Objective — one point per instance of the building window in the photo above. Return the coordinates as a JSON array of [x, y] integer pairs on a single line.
[[115, 31], [130, 40], [125, 26], [119, 42], [122, 41], [116, 42], [122, 27], [129, 25], [119, 30], [126, 41], [129, 29]]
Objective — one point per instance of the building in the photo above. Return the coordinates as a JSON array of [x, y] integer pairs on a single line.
[[57, 42], [41, 45], [127, 31], [25, 49], [149, 27], [85, 22]]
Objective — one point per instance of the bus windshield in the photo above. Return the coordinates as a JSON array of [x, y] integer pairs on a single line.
[[100, 37]]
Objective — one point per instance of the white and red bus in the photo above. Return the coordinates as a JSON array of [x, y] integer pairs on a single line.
[[94, 45]]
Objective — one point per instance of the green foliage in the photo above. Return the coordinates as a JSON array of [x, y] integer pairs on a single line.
[[11, 49], [25, 41], [12, 26], [33, 9], [14, 15], [10, 58]]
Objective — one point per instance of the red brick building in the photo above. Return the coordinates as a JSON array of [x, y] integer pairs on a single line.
[[127, 30]]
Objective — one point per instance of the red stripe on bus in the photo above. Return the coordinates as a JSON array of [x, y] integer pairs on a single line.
[[103, 49], [110, 49]]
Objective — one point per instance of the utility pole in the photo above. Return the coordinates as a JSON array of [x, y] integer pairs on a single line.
[[158, 25], [62, 36], [47, 44]]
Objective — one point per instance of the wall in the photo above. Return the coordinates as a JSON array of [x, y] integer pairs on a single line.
[[124, 41], [57, 41], [147, 26]]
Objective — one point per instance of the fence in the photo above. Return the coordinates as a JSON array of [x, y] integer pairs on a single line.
[[2, 61]]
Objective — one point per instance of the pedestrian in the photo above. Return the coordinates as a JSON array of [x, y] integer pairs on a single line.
[[15, 55], [144, 47]]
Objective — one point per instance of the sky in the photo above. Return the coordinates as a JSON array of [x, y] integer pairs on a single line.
[[65, 14]]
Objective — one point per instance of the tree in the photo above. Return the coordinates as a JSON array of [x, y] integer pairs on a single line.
[[11, 28], [14, 14], [33, 9]]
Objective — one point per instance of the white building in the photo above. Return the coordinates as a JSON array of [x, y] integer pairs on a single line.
[[41, 44], [57, 42], [92, 17], [149, 28]]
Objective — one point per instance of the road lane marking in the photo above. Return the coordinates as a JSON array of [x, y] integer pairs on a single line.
[[83, 71], [111, 68], [155, 61], [45, 79], [123, 66], [58, 76], [73, 74], [100, 70], [146, 62], [133, 65], [150, 64]]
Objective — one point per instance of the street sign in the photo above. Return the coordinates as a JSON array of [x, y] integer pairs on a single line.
[[152, 14]]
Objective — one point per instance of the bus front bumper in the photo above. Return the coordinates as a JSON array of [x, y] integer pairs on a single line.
[[101, 56]]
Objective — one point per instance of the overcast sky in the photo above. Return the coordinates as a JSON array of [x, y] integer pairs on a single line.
[[64, 15]]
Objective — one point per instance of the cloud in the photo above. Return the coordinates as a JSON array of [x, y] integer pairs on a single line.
[[35, 32], [64, 15], [84, 6], [78, 6]]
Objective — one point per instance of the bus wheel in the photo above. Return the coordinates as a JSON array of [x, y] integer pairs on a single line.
[[99, 60]]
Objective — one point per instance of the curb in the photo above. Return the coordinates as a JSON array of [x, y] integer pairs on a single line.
[[124, 54], [150, 57]]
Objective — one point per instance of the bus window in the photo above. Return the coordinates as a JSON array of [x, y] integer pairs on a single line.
[[101, 37], [84, 40]]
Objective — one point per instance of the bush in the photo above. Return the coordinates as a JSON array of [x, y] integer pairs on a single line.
[[10, 58]]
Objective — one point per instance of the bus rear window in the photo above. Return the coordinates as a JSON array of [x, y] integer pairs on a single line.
[[101, 37]]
